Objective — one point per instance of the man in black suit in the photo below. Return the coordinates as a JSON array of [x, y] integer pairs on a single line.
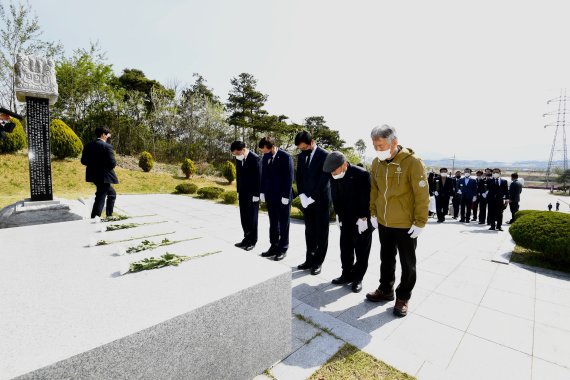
[[314, 190], [468, 191], [498, 198], [443, 190], [350, 190], [456, 195], [478, 180], [482, 194], [276, 191], [515, 190], [248, 177], [99, 158]]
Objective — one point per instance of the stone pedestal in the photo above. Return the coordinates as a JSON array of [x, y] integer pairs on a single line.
[[66, 314], [28, 212]]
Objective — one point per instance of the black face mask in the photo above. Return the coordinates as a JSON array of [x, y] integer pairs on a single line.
[[458, 176], [489, 175]]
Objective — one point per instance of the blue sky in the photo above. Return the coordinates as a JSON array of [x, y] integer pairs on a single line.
[[455, 77]]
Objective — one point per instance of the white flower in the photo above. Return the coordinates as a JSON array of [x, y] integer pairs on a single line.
[[125, 268], [102, 228], [121, 250]]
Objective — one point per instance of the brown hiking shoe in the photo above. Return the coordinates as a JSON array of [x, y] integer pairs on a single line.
[[401, 308], [379, 296]]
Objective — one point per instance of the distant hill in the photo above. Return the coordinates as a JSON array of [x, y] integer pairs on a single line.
[[480, 164]]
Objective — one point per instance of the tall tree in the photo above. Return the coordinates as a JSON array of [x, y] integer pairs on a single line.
[[20, 32], [360, 147], [327, 138], [245, 104]]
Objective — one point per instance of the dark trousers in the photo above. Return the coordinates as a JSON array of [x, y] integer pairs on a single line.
[[104, 190], [248, 212], [466, 204], [353, 244], [279, 224], [496, 213], [475, 208], [456, 202], [392, 241], [482, 210], [514, 206], [317, 231], [442, 206]]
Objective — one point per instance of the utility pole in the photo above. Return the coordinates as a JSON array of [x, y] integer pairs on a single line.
[[559, 125]]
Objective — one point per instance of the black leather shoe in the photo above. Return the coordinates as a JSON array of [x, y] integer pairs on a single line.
[[341, 280], [280, 256], [499, 229], [491, 228], [357, 286], [305, 265], [272, 251], [462, 221], [240, 244], [481, 223], [248, 247], [316, 270]]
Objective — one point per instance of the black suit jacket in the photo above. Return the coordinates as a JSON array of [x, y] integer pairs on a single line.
[[515, 190], [248, 176], [99, 158], [443, 190], [500, 192], [277, 176], [351, 195], [310, 178]]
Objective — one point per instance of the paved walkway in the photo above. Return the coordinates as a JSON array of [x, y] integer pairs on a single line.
[[470, 317]]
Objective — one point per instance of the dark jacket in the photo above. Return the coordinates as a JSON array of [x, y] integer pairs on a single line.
[[351, 195], [99, 158], [443, 189], [310, 178], [277, 176], [468, 188], [515, 190], [497, 193], [248, 176]]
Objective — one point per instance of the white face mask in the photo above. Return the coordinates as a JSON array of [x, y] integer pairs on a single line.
[[443, 174], [496, 175], [240, 157], [467, 175], [383, 154], [338, 176]]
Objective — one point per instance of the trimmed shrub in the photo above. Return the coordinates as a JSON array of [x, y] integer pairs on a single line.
[[522, 213], [545, 232], [186, 188], [297, 203], [146, 162], [188, 167], [295, 191], [230, 197], [210, 192], [205, 168], [14, 141], [64, 142], [229, 171]]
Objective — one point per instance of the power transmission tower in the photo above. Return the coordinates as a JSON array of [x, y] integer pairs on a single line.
[[559, 125]]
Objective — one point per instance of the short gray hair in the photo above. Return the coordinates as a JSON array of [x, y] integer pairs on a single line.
[[384, 132]]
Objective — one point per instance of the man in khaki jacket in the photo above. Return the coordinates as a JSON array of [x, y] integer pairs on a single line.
[[399, 202]]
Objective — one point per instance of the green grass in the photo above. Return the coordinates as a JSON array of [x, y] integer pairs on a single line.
[[536, 259], [349, 363], [68, 178]]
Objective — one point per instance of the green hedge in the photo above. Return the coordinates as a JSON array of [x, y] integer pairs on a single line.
[[297, 203], [14, 141], [210, 192], [230, 197], [522, 213], [186, 188], [545, 232], [64, 142], [146, 162]]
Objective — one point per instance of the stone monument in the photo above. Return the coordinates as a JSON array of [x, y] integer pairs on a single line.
[[37, 86]]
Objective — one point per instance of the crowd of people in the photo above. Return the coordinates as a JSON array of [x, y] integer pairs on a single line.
[[393, 197], [479, 199]]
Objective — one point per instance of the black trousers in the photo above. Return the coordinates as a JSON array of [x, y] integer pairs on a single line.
[[466, 204], [354, 245], [482, 210], [248, 212], [317, 231], [514, 206], [475, 208], [104, 190], [442, 206], [279, 219], [456, 202], [392, 241], [496, 213]]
